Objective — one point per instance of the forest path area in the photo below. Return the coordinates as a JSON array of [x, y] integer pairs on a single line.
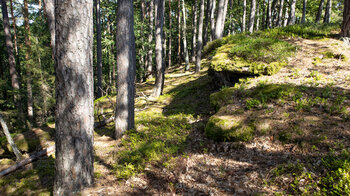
[[169, 154]]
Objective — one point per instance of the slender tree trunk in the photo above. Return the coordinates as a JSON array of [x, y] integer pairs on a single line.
[[345, 30], [200, 37], [291, 19], [273, 13], [268, 17], [319, 12], [14, 29], [194, 41], [150, 39], [328, 12], [212, 19], [252, 16], [244, 15], [257, 16], [49, 6], [280, 14], [99, 49], [74, 97], [30, 111], [8, 135], [11, 56], [286, 17], [224, 18], [263, 15], [303, 18], [187, 63], [206, 23], [220, 20], [170, 40], [179, 59], [157, 90], [126, 68], [142, 57]]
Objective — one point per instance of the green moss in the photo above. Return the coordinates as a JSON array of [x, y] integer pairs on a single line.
[[317, 60], [222, 97], [331, 55], [212, 46], [228, 128]]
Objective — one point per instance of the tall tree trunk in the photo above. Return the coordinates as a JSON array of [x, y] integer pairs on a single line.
[[291, 19], [187, 63], [200, 37], [194, 22], [263, 15], [280, 14], [286, 17], [7, 133], [49, 6], [126, 68], [150, 39], [220, 19], [252, 16], [273, 13], [142, 57], [345, 30], [170, 41], [206, 24], [99, 49], [319, 12], [11, 56], [328, 12], [74, 97], [157, 90], [244, 15], [257, 16], [179, 59], [268, 17], [303, 18], [212, 19], [14, 29], [30, 111]]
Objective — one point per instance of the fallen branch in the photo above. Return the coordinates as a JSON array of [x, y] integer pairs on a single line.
[[103, 123], [10, 140], [24, 162]]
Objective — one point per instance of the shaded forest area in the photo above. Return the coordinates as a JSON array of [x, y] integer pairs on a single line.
[[156, 97]]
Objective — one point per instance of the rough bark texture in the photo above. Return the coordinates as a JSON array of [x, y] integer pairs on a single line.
[[11, 56], [257, 16], [30, 111], [157, 90], [244, 15], [346, 20], [126, 68], [286, 16], [200, 37], [206, 23], [187, 63], [280, 14], [74, 96], [319, 12], [212, 19], [263, 15], [99, 49], [252, 16], [291, 18], [179, 59], [328, 12], [303, 18], [268, 17], [50, 15], [194, 41], [150, 39], [8, 135], [220, 19], [14, 29], [170, 41]]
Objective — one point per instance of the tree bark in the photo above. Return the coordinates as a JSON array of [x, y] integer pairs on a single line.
[[268, 17], [252, 16], [49, 6], [74, 96], [170, 40], [257, 16], [99, 49], [30, 111], [280, 14], [11, 56], [14, 30], [286, 17], [303, 18], [220, 19], [8, 135], [126, 68], [179, 59], [328, 12], [345, 30], [212, 19], [291, 19], [206, 24], [319, 12], [200, 37], [157, 90], [244, 15], [187, 63], [263, 15], [150, 40], [194, 22]]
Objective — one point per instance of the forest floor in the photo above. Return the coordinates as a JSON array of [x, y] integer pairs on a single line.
[[169, 154]]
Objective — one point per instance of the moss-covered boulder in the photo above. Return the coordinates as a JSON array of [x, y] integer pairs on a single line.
[[229, 125]]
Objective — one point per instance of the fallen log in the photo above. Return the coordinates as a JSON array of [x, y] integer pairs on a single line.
[[10, 140], [103, 123], [24, 162]]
